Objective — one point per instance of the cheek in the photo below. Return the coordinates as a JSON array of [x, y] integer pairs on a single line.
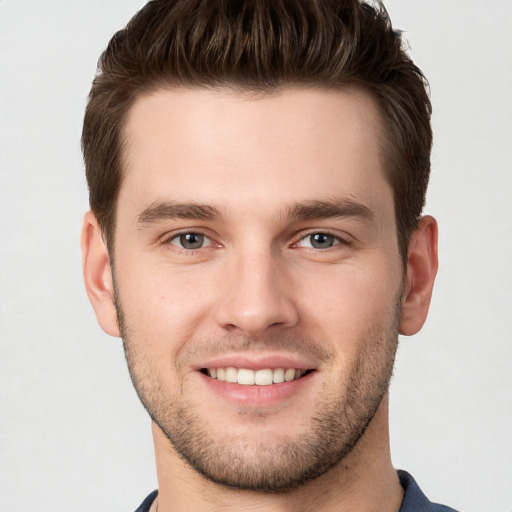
[[353, 291], [351, 302], [161, 306]]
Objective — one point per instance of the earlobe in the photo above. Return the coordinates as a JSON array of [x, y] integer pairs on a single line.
[[98, 275], [422, 263]]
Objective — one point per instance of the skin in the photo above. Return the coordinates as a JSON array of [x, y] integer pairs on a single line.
[[257, 291]]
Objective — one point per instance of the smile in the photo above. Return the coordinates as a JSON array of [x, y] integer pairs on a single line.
[[247, 377]]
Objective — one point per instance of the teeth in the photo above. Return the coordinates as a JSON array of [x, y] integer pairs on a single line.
[[263, 377], [231, 374], [245, 377], [289, 374], [278, 376]]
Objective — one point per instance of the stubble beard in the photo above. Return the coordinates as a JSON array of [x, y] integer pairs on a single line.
[[335, 427]]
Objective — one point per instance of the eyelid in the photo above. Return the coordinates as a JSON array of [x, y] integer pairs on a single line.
[[341, 239], [169, 237], [206, 240]]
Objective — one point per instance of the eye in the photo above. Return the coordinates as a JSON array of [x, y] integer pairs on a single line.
[[190, 241], [319, 241]]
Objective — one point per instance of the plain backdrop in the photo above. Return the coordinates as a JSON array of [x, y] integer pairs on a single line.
[[73, 436]]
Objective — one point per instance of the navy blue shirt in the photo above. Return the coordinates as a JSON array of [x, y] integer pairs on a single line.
[[414, 499]]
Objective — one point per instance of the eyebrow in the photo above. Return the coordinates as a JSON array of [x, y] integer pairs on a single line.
[[339, 207], [169, 210], [306, 210]]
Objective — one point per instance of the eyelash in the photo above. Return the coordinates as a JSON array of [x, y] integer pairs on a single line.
[[338, 240], [176, 236]]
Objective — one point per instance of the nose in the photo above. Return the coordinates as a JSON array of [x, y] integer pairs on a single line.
[[255, 296]]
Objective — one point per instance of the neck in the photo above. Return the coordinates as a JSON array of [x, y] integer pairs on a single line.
[[364, 480]]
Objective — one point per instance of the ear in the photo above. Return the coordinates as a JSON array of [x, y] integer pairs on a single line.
[[98, 275], [421, 271]]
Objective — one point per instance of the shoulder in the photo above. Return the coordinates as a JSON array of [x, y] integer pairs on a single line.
[[414, 499]]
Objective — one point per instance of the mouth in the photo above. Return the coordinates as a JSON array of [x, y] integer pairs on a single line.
[[259, 377]]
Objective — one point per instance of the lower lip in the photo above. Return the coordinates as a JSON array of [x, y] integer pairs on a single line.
[[272, 394]]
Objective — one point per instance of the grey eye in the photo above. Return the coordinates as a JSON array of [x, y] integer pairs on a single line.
[[190, 240], [322, 240], [319, 241]]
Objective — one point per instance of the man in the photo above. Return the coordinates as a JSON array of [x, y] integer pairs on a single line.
[[257, 173]]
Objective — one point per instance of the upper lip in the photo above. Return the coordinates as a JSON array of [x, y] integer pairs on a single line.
[[257, 362]]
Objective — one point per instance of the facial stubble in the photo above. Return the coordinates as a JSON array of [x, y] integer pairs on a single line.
[[335, 427]]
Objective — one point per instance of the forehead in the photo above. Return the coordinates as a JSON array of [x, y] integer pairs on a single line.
[[224, 147]]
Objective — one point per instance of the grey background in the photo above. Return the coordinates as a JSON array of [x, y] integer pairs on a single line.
[[72, 434]]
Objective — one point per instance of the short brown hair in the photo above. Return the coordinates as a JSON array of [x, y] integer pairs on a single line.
[[261, 45]]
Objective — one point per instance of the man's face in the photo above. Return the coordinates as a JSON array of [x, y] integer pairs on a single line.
[[255, 242]]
